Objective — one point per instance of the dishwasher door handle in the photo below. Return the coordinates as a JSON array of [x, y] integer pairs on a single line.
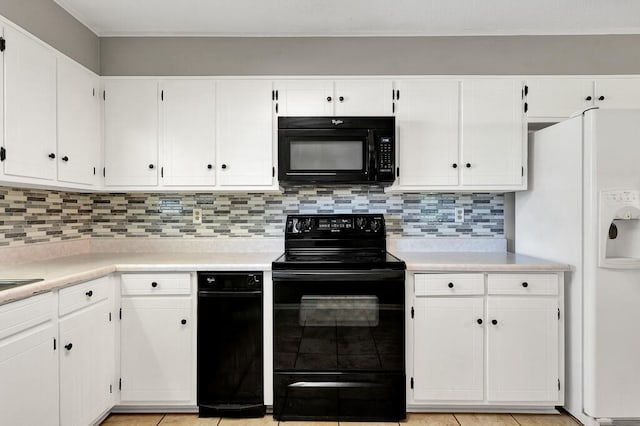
[[208, 293]]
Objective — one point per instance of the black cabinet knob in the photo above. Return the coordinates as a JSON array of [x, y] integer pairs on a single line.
[[341, 98], [209, 166], [468, 165], [329, 98], [525, 284], [450, 285], [68, 346], [65, 158], [494, 322], [454, 165], [151, 166], [52, 156], [183, 322], [479, 321], [588, 98], [154, 284], [224, 166], [89, 293], [601, 98]]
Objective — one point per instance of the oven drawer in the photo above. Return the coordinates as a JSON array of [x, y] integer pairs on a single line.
[[449, 284], [339, 396]]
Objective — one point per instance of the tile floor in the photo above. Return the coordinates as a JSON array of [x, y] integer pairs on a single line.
[[412, 419]]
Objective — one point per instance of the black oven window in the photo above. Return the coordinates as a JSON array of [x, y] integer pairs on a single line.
[[326, 155], [339, 311]]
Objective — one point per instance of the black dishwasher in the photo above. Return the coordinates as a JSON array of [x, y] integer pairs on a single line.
[[230, 344]]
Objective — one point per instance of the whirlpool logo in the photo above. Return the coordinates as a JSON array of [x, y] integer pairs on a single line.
[[336, 122]]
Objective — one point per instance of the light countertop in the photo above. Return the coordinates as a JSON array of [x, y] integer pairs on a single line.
[[65, 271], [477, 262]]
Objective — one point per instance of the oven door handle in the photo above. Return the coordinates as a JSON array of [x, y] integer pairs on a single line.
[[375, 275], [334, 385]]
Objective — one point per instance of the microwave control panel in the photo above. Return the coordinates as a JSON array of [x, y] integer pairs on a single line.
[[386, 154]]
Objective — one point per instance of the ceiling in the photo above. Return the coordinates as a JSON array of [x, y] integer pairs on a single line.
[[355, 17]]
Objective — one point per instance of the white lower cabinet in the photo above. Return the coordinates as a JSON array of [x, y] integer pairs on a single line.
[[157, 341], [86, 353], [28, 363], [486, 340]]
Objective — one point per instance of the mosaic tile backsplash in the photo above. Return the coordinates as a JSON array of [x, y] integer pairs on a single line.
[[30, 216]]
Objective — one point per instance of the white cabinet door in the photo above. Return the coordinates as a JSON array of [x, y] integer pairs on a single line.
[[522, 349], [363, 97], [29, 378], [556, 98], [493, 132], [305, 97], [244, 133], [131, 132], [618, 93], [428, 132], [448, 354], [188, 132], [78, 124], [86, 360], [30, 107], [156, 350]]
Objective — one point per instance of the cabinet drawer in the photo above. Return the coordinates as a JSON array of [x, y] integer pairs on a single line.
[[520, 284], [82, 295], [24, 314], [161, 284], [449, 284]]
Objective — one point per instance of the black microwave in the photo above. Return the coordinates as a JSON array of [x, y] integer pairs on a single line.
[[336, 150]]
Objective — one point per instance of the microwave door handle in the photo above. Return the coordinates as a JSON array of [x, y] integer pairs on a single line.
[[371, 155]]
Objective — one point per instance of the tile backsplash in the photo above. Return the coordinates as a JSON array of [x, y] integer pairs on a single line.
[[31, 216]]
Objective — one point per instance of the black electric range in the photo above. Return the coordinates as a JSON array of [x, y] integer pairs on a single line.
[[339, 321]]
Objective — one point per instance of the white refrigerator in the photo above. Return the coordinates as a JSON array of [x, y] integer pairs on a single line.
[[583, 208]]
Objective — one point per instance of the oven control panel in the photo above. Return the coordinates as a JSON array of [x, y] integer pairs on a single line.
[[358, 224]]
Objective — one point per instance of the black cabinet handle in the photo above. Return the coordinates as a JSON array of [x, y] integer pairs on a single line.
[[154, 284], [68, 346], [494, 322], [89, 293], [454, 165], [601, 98], [479, 321], [341, 98], [468, 165], [52, 156], [151, 166], [65, 158], [329, 98], [588, 98], [224, 166], [183, 322], [209, 166], [450, 285], [525, 284]]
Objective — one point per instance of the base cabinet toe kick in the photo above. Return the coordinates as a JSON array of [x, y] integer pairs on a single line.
[[485, 341]]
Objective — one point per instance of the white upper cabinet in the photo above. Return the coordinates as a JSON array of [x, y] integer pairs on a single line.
[[244, 133], [363, 97], [131, 132], [493, 133], [428, 132], [29, 108], [78, 124], [357, 97], [304, 98], [617, 93], [551, 99], [188, 132]]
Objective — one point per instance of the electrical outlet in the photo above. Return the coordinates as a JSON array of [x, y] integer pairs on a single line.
[[459, 215], [197, 216]]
